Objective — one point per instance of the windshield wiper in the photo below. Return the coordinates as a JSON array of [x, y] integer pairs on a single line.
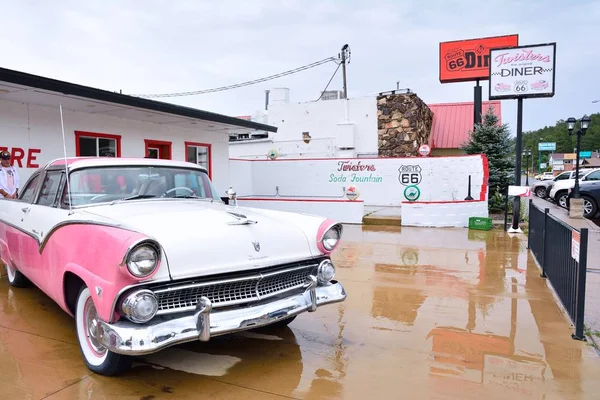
[[139, 196]]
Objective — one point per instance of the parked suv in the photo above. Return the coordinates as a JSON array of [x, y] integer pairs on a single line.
[[589, 191], [560, 190]]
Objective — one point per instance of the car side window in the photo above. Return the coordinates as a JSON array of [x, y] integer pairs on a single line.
[[50, 188], [562, 177], [594, 176], [29, 191]]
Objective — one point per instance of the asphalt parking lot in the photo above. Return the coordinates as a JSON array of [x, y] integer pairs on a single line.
[[430, 314]]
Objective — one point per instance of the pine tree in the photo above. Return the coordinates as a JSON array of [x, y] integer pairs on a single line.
[[494, 141]]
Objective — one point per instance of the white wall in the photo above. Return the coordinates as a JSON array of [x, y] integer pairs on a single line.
[[347, 212], [441, 178], [28, 126], [322, 119], [442, 215]]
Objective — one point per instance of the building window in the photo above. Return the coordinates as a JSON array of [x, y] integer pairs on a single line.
[[199, 153], [89, 144]]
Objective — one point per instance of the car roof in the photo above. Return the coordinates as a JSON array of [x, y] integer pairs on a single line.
[[74, 163]]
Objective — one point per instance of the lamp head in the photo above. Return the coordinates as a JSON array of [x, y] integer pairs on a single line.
[[585, 123], [571, 124]]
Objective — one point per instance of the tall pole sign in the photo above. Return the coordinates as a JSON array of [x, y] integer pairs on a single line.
[[518, 73], [469, 60]]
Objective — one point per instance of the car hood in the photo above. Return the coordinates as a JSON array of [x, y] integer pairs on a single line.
[[204, 238]]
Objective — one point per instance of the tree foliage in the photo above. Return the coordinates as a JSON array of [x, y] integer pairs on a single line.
[[560, 135], [494, 141]]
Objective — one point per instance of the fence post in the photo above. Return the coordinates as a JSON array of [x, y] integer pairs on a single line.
[[506, 210], [581, 280], [543, 262], [529, 228]]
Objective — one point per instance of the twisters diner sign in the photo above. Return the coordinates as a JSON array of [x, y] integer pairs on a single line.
[[524, 71]]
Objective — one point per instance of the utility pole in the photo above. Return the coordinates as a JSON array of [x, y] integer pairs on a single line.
[[345, 56]]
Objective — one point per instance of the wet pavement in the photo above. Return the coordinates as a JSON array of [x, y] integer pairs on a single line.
[[430, 314]]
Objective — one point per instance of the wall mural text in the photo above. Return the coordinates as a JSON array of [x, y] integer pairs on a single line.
[[18, 154], [353, 166]]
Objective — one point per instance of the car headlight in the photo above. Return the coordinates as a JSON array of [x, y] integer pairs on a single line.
[[140, 306], [142, 260], [326, 272], [331, 237]]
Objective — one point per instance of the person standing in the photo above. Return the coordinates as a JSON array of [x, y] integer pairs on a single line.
[[9, 177]]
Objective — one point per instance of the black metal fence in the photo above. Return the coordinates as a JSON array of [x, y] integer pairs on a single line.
[[556, 246]]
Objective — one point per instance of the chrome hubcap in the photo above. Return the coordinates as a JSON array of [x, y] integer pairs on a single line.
[[562, 201], [91, 323], [587, 206]]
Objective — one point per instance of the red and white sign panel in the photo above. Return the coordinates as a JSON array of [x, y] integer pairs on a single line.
[[521, 191], [575, 241], [424, 150]]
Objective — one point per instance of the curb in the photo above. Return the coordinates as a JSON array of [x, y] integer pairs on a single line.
[[390, 221]]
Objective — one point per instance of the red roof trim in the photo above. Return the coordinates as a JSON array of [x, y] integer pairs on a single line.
[[452, 122]]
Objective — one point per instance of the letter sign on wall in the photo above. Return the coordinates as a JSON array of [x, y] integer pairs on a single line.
[[524, 71], [469, 60]]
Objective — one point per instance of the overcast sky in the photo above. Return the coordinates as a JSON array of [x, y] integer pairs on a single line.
[[155, 46]]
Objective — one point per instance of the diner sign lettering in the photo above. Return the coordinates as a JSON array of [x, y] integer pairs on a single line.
[[522, 72], [346, 172]]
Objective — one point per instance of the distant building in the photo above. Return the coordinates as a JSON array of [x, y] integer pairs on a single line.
[[388, 124]]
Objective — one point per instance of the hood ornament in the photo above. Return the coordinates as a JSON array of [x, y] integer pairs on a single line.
[[256, 245]]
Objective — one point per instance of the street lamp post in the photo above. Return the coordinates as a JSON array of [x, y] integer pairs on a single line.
[[527, 154], [584, 124], [576, 202]]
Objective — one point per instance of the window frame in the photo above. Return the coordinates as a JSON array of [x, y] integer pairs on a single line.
[[59, 189], [31, 181], [155, 144], [95, 135], [198, 144]]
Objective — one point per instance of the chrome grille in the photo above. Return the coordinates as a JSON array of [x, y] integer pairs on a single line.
[[228, 292]]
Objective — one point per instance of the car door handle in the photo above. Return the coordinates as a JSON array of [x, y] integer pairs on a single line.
[[25, 209]]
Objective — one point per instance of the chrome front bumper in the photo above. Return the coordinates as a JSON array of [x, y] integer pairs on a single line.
[[126, 337]]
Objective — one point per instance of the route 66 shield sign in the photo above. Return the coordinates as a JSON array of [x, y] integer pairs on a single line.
[[409, 174]]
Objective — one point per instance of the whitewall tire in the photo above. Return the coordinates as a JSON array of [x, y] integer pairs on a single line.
[[15, 278], [96, 357]]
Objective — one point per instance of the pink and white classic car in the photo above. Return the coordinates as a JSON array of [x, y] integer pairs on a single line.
[[144, 254]]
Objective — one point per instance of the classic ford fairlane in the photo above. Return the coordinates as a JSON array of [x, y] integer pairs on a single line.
[[145, 254]]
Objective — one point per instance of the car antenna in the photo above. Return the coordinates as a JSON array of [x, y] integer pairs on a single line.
[[65, 153]]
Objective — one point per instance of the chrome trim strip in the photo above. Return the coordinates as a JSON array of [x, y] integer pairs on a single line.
[[125, 337], [83, 222]]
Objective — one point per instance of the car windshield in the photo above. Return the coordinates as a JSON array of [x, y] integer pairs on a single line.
[[105, 184]]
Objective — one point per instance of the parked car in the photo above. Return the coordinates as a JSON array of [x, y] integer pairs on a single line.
[[590, 193], [560, 190], [542, 188], [546, 176], [144, 255]]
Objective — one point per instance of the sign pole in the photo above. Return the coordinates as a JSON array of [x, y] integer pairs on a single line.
[[519, 145], [477, 103]]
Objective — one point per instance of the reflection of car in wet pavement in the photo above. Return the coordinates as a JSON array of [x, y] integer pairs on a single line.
[[141, 270]]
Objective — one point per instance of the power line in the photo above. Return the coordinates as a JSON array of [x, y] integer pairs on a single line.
[[238, 85], [328, 83]]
